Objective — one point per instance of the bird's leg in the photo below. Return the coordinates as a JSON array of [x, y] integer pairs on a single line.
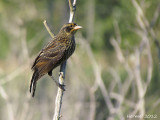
[[57, 83]]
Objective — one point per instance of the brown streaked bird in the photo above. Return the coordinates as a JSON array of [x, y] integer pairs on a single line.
[[54, 54]]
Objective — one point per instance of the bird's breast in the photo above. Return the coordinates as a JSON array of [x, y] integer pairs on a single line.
[[70, 47]]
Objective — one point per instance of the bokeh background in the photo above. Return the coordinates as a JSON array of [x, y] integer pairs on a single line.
[[114, 73]]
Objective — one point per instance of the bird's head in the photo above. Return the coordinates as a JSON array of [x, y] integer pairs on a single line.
[[70, 28]]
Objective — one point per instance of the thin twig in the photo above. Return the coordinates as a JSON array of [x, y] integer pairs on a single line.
[[99, 81], [126, 85], [9, 105], [139, 84], [48, 29], [72, 10], [145, 40], [122, 60], [92, 112], [11, 76]]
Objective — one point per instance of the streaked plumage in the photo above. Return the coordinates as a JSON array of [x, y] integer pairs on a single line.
[[54, 54]]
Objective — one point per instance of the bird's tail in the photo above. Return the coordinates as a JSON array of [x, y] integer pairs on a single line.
[[33, 82]]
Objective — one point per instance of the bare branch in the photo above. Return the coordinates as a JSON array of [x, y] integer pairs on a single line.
[[92, 112], [12, 75], [48, 29], [139, 84], [117, 31], [58, 101], [59, 96], [9, 105], [72, 9], [99, 81]]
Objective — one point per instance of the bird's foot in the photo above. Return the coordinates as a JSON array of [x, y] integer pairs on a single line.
[[61, 74], [61, 86]]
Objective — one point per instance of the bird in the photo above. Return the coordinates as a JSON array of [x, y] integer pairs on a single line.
[[56, 52]]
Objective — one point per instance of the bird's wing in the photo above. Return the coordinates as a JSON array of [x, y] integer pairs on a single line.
[[50, 44], [49, 55]]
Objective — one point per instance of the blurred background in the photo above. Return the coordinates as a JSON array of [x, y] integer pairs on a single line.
[[114, 73]]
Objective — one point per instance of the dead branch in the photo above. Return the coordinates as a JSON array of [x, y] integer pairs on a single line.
[[59, 96], [9, 105], [48, 29], [98, 78]]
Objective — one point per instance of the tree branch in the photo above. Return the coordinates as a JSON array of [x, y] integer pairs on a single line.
[[48, 29], [59, 96], [9, 105], [72, 9]]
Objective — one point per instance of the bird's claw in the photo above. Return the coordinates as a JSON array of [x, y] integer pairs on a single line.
[[61, 74], [61, 86]]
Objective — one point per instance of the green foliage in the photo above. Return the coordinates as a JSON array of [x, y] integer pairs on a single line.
[[4, 44]]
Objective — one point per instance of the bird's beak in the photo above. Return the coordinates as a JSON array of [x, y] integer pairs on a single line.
[[77, 27]]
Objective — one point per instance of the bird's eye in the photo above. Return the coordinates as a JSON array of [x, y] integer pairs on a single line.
[[68, 29]]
